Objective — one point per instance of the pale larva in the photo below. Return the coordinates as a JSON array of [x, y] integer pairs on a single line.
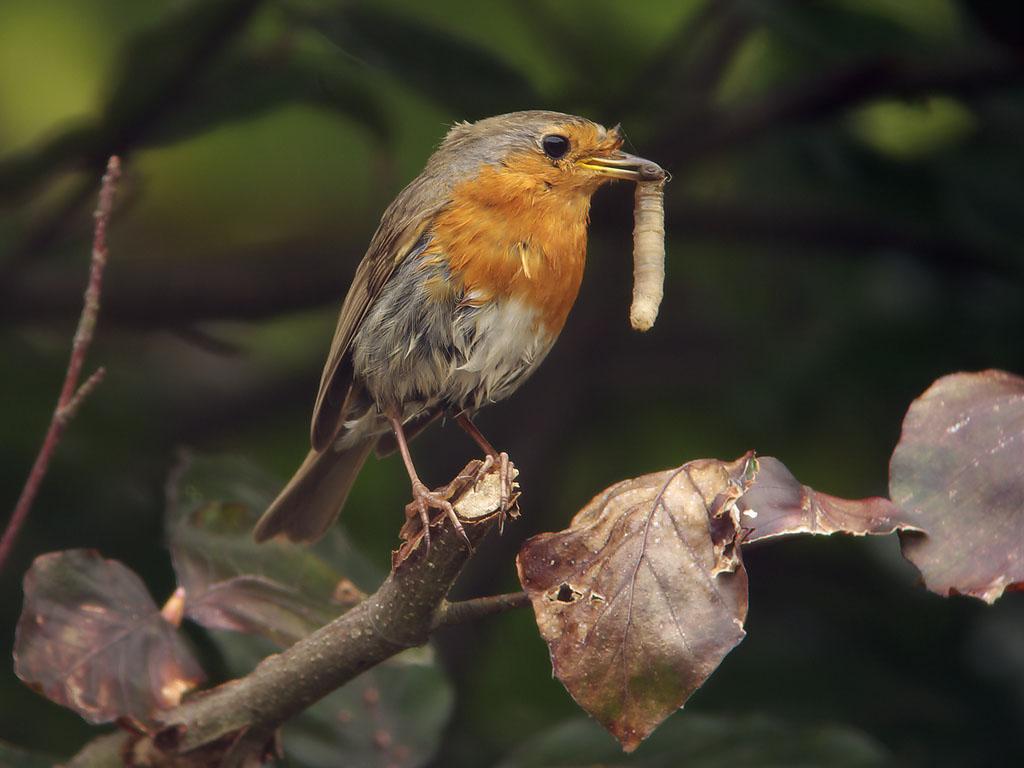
[[648, 247]]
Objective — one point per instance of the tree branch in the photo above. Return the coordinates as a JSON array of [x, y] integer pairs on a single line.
[[284, 277], [71, 394], [125, 124], [288, 277], [833, 230], [401, 614], [715, 130], [464, 611]]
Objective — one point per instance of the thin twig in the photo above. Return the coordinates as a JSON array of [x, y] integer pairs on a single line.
[[71, 394], [464, 611]]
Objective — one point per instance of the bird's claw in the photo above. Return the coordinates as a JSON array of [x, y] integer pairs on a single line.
[[508, 482], [425, 499], [509, 487], [483, 470]]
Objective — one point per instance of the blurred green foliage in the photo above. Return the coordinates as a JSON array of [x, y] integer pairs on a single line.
[[710, 742], [846, 223]]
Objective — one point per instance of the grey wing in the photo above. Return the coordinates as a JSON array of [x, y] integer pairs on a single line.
[[401, 227]]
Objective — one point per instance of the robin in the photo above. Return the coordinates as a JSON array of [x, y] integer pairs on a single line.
[[464, 289]]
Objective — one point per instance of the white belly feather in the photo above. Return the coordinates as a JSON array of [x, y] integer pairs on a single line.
[[487, 353], [502, 348]]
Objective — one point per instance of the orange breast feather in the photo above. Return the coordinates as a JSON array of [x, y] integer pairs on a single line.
[[508, 234]]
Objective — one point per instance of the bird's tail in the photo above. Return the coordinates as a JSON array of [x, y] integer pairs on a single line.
[[314, 496]]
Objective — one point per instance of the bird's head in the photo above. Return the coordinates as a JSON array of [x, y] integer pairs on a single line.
[[542, 155], [510, 202]]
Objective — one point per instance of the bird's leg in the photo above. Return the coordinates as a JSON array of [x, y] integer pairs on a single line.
[[492, 457], [422, 496], [470, 429]]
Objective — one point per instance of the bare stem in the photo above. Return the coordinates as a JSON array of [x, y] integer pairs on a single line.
[[71, 394], [465, 611]]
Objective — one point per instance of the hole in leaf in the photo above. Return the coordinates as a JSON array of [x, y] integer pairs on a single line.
[[566, 594]]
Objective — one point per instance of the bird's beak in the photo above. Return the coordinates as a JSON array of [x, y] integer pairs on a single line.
[[622, 165]]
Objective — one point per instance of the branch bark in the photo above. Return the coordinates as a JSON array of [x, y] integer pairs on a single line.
[[71, 394]]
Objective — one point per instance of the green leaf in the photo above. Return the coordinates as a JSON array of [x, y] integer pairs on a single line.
[[16, 757], [393, 714], [907, 131], [277, 589]]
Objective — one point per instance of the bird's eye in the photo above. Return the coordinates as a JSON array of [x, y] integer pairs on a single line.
[[555, 146]]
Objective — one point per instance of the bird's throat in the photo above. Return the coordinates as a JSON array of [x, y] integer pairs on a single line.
[[506, 236]]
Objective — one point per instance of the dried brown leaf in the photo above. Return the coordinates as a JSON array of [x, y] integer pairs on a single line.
[[958, 472], [639, 600], [778, 505], [91, 638]]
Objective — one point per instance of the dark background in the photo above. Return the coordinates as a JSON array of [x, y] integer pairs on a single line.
[[845, 223]]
